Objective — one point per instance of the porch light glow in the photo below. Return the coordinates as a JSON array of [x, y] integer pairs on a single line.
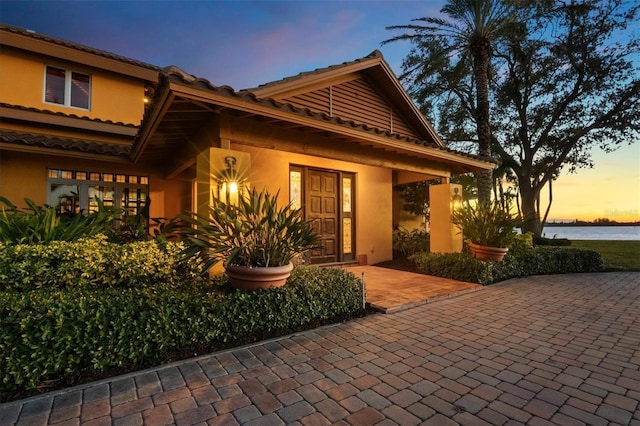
[[229, 183], [228, 192]]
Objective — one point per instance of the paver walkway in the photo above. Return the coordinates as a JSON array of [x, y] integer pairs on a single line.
[[390, 290], [559, 349]]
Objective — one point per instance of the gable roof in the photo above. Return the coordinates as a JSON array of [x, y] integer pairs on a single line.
[[364, 90]]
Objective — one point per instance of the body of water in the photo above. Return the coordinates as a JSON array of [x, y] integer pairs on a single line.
[[593, 232]]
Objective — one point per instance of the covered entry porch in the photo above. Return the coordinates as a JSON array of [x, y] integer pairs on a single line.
[[333, 142]]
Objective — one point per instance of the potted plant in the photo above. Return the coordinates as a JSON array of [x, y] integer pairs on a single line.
[[488, 227], [256, 240]]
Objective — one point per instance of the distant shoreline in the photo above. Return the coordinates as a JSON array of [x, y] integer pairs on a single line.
[[550, 224], [611, 232]]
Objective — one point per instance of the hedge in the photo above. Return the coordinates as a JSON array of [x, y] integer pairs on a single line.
[[93, 262], [538, 261], [53, 333]]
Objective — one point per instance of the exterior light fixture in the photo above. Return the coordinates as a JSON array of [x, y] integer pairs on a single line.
[[456, 199], [230, 184]]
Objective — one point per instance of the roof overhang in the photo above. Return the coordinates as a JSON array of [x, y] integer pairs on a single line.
[[35, 143], [48, 118]]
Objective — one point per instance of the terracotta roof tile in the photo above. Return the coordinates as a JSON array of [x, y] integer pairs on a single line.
[[71, 144], [76, 46], [62, 114]]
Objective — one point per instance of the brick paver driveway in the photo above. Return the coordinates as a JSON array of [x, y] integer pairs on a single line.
[[541, 350]]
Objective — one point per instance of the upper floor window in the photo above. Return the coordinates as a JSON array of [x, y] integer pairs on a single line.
[[68, 88]]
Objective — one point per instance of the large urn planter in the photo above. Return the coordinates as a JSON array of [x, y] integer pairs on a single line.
[[485, 252], [258, 277]]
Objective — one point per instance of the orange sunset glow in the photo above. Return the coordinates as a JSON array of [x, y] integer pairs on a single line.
[[609, 190]]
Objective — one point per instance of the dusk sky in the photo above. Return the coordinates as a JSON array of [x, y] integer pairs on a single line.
[[247, 43]]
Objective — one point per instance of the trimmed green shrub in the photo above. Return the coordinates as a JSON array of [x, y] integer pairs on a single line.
[[456, 266], [94, 262], [63, 333], [538, 261], [519, 244], [554, 242]]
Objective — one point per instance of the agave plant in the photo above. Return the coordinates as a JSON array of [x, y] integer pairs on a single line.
[[255, 233], [487, 224]]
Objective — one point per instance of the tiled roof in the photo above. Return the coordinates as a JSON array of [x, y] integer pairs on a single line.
[[176, 75], [376, 54], [62, 114], [76, 46], [79, 145]]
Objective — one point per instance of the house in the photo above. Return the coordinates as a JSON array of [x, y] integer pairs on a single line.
[[77, 122]]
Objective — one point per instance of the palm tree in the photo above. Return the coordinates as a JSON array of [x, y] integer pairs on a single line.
[[471, 28]]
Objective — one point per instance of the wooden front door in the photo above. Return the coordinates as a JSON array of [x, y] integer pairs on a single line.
[[322, 207]]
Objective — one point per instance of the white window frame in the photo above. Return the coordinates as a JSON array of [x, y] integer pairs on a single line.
[[68, 81]]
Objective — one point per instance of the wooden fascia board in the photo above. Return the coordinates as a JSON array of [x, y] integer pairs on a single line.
[[380, 141], [73, 122], [71, 54], [62, 153], [155, 120]]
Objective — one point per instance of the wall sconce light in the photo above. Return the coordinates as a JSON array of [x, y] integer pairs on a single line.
[[456, 199], [230, 184]]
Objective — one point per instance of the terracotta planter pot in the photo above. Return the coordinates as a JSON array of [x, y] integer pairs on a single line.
[[484, 252], [258, 277]]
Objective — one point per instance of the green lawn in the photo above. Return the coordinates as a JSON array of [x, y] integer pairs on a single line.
[[617, 255]]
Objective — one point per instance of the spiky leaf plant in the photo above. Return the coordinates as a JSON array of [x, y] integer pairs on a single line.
[[255, 233]]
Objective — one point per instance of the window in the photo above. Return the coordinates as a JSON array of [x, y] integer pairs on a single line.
[[73, 192], [68, 88]]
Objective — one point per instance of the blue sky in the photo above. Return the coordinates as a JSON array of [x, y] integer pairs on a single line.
[[247, 43], [237, 43]]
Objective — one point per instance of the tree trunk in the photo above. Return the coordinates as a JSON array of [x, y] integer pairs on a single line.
[[481, 76], [530, 215]]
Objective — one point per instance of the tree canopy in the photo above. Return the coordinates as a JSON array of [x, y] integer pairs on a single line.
[[466, 35], [563, 80]]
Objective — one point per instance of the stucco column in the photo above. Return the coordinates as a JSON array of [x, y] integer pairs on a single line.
[[445, 236], [206, 181]]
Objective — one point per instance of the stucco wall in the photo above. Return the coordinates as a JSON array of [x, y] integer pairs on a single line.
[[113, 97], [270, 169], [23, 176]]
